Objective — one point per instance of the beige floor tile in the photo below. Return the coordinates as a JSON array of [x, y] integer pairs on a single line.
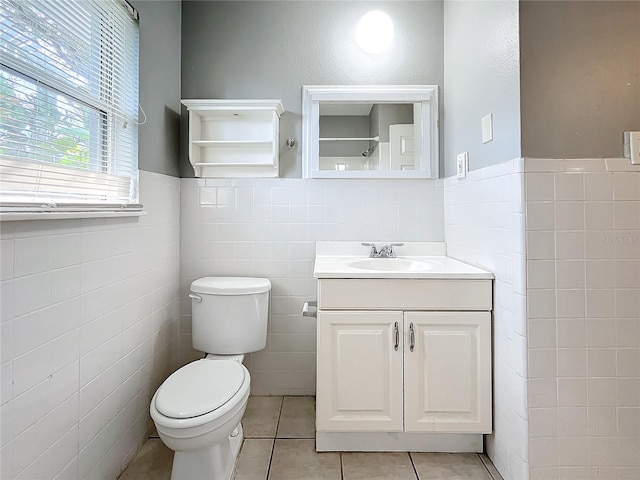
[[153, 462], [254, 459], [151, 428], [260, 419], [298, 460], [449, 466], [298, 418], [377, 466]]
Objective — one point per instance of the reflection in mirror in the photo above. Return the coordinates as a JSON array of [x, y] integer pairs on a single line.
[[366, 136]]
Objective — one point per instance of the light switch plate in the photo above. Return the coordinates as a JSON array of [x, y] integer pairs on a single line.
[[487, 128], [462, 164]]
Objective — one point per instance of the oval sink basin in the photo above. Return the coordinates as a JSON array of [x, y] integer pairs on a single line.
[[389, 264]]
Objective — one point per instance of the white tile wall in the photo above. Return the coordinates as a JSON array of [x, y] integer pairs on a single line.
[[90, 307], [89, 329], [268, 228], [584, 318], [484, 226]]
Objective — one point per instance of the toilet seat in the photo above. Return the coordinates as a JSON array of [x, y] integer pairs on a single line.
[[206, 421], [199, 388]]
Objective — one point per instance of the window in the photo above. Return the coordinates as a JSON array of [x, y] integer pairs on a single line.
[[68, 105]]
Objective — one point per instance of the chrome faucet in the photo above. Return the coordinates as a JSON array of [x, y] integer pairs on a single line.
[[374, 251], [385, 252]]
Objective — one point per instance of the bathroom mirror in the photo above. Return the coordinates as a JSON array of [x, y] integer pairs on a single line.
[[366, 131]]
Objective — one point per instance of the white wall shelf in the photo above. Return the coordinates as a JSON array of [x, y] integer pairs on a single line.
[[234, 138]]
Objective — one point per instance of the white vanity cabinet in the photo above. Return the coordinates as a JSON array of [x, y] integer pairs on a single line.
[[404, 355], [447, 376], [359, 371]]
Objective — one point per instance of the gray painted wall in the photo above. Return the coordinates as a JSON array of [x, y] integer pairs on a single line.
[[580, 77], [269, 49], [481, 70], [158, 142]]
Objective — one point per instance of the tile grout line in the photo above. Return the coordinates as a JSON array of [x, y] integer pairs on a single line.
[[415, 470], [275, 436], [273, 448], [341, 467]]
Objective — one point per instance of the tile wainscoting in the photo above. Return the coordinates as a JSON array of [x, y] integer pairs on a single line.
[[566, 324], [89, 330], [268, 228], [484, 226], [583, 290]]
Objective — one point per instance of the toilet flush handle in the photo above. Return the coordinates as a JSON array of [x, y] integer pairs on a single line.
[[195, 297]]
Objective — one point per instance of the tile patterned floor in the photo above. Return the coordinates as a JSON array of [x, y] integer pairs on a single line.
[[279, 445]]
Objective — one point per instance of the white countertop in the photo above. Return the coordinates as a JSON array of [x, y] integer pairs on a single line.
[[426, 260]]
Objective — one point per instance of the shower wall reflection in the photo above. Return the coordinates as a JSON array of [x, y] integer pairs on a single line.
[[366, 136]]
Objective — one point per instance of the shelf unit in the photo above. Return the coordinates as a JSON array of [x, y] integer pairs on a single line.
[[234, 138]]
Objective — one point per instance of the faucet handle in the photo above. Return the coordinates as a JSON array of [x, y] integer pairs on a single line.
[[388, 249], [374, 250]]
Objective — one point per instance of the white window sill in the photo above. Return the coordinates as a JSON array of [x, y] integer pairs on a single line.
[[18, 216]]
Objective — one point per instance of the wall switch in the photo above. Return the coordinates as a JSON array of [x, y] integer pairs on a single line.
[[487, 128], [632, 147], [462, 164]]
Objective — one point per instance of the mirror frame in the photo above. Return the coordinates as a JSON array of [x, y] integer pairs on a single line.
[[426, 96]]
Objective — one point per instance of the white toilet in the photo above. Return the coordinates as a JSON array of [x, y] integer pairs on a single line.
[[197, 410]]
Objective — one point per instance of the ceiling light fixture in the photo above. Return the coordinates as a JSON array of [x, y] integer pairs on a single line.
[[374, 32]]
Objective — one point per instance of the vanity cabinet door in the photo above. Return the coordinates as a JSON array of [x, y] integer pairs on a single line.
[[359, 371], [447, 376]]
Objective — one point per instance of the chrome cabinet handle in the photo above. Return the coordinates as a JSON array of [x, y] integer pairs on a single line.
[[412, 336], [397, 337], [195, 297]]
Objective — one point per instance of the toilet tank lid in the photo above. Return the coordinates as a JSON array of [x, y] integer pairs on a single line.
[[230, 285]]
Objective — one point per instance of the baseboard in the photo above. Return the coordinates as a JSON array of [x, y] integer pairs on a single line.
[[399, 442]]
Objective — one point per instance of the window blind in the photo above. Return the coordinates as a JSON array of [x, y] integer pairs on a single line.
[[68, 104]]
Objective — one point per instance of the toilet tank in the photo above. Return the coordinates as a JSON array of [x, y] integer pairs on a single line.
[[229, 314]]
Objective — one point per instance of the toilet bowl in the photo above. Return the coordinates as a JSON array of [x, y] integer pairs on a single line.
[[197, 418], [198, 409]]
